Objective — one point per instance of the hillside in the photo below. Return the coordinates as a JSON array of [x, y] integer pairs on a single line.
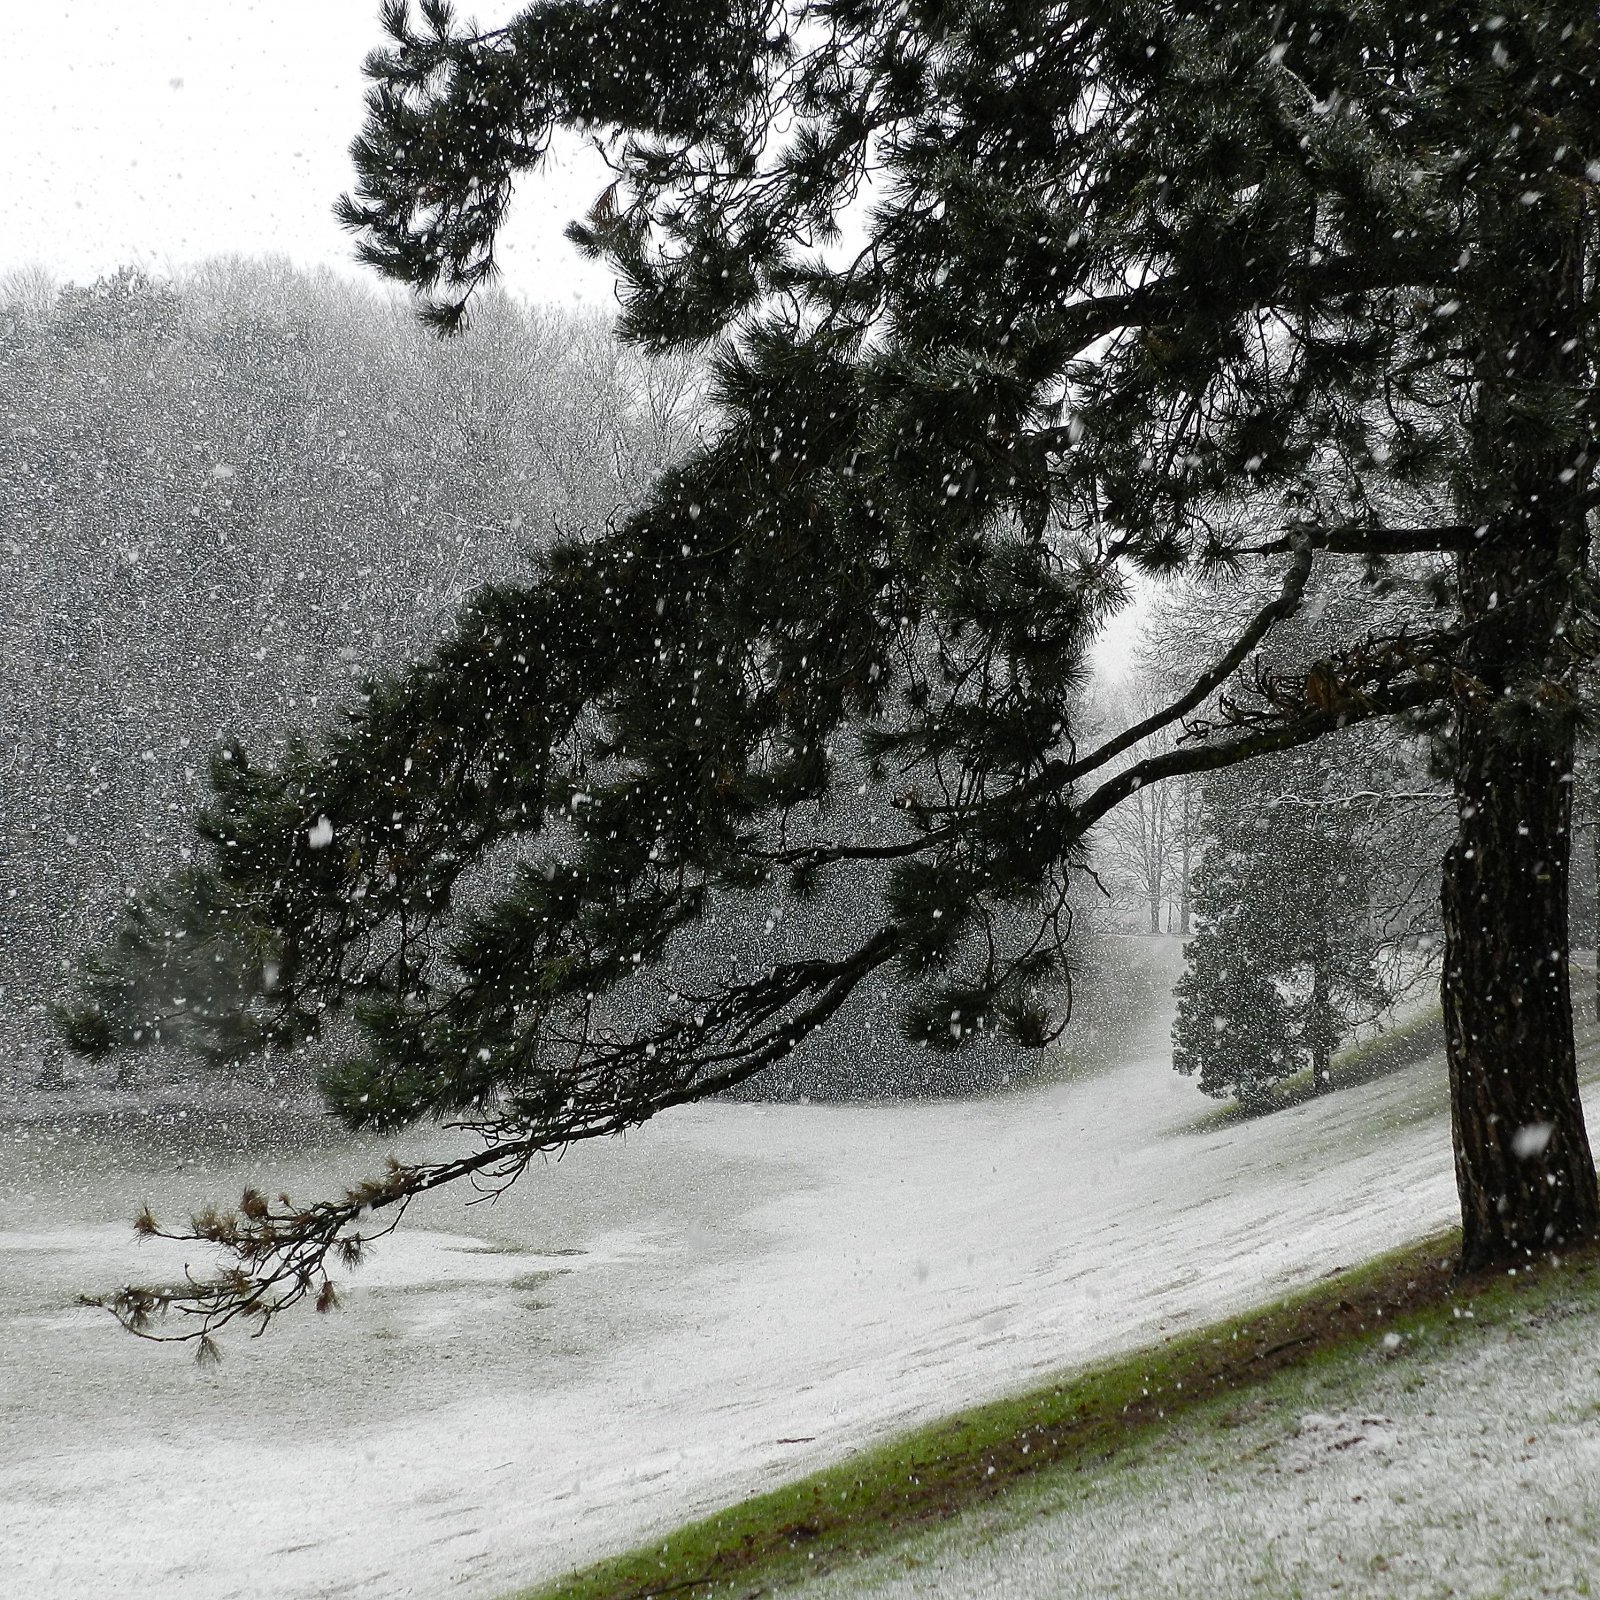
[[646, 1330]]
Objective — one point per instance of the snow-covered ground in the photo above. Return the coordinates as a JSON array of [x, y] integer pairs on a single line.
[[642, 1331]]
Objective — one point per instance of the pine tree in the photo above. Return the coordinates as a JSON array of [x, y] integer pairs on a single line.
[[1005, 299], [1285, 958]]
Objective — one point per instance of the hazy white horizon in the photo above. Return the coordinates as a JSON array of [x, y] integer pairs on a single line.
[[163, 134]]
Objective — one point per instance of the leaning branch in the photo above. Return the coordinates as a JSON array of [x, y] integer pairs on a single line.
[[277, 1254], [1281, 607], [1356, 541], [1188, 760]]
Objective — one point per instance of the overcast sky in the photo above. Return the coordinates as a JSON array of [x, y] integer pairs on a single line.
[[160, 132]]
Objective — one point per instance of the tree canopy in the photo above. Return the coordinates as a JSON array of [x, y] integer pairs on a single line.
[[1001, 302]]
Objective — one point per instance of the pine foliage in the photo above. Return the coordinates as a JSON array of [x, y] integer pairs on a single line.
[[1284, 959]]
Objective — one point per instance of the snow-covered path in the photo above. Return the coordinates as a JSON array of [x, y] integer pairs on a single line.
[[644, 1331]]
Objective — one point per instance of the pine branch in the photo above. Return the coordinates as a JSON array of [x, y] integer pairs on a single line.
[[1283, 605], [277, 1255], [1360, 541], [1266, 739]]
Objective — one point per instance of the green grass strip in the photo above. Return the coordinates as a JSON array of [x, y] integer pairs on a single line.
[[880, 1497]]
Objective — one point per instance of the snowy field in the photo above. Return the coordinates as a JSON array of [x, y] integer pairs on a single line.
[[640, 1332]]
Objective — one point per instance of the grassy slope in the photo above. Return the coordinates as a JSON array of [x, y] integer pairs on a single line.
[[1403, 1045], [871, 1502], [1435, 1457], [1408, 1043]]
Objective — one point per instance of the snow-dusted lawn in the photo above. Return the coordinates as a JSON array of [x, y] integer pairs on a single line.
[[644, 1331], [1393, 1474]]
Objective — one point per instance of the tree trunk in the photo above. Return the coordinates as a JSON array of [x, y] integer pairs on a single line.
[[1317, 1019], [1523, 1165], [1189, 819], [1321, 1077], [1184, 869], [53, 1075]]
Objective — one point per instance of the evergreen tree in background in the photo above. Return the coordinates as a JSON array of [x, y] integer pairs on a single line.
[[1006, 300], [1285, 957]]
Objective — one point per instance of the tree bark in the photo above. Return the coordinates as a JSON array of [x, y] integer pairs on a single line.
[[1524, 1169], [1185, 852], [1321, 1079], [1523, 1165], [53, 1074]]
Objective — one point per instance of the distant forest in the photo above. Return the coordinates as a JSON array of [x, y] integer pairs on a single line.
[[225, 498]]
